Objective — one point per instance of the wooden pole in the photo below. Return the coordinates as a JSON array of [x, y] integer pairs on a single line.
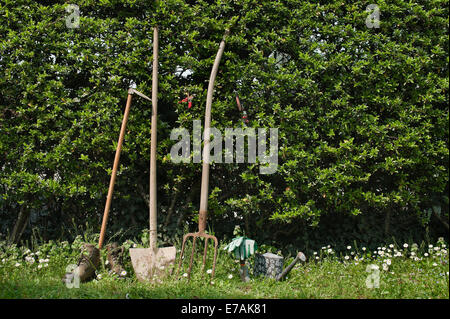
[[153, 213]]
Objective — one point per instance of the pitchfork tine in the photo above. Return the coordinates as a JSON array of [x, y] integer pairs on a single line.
[[192, 256], [215, 256], [204, 253], [181, 255]]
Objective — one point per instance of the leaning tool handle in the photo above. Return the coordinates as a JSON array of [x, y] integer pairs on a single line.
[[153, 213], [205, 168], [238, 103], [114, 171], [300, 256], [241, 109]]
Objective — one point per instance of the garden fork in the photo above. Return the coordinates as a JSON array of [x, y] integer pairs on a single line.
[[205, 176]]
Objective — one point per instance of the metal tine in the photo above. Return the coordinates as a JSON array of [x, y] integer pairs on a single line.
[[193, 251], [131, 91], [192, 256], [205, 251]]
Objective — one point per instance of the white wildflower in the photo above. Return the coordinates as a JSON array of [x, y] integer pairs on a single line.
[[123, 273], [405, 245], [230, 276], [30, 259], [209, 271]]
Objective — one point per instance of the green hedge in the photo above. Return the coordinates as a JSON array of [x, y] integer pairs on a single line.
[[362, 114]]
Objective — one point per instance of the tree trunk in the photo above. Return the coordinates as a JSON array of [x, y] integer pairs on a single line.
[[193, 191], [445, 223], [171, 208], [387, 222], [20, 225]]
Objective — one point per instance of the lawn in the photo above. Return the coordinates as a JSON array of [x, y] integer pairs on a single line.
[[404, 271]]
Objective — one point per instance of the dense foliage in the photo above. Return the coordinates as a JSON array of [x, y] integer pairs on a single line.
[[362, 115]]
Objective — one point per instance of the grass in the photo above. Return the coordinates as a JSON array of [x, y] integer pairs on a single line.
[[416, 271]]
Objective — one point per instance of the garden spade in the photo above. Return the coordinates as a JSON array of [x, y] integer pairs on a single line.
[[153, 262]]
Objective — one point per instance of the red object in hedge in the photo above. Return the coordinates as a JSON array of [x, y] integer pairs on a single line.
[[188, 99]]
